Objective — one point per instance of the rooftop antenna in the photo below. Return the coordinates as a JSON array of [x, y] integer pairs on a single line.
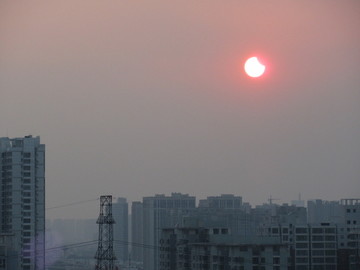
[[105, 254]]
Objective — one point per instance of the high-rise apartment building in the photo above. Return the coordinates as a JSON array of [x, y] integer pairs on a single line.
[[320, 211], [22, 191], [225, 210], [200, 248], [314, 246], [225, 201], [136, 254], [159, 212], [120, 215]]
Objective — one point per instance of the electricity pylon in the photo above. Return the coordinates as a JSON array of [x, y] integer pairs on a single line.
[[105, 254]]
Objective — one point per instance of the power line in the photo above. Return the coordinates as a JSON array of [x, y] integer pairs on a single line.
[[71, 204], [193, 253]]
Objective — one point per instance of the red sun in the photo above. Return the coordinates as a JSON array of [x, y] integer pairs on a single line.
[[253, 67]]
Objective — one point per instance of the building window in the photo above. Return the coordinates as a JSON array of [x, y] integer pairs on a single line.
[[330, 252], [318, 245], [301, 245], [301, 252], [330, 237], [301, 238], [330, 260], [301, 230], [318, 252], [26, 187], [318, 260], [330, 230], [317, 238], [27, 155], [330, 245], [302, 260], [26, 247], [317, 230]]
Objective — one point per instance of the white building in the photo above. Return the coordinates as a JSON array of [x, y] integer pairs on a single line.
[[22, 191]]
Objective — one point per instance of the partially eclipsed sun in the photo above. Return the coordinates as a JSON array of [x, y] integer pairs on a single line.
[[253, 67]]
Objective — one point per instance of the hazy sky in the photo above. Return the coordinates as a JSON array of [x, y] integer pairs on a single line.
[[134, 98]]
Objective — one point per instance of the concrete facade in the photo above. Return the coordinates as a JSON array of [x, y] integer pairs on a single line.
[[199, 248], [22, 192], [159, 212]]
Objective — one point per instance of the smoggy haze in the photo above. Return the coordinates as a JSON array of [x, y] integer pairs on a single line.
[[135, 98]]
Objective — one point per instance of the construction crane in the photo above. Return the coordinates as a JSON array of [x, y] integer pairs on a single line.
[[271, 199]]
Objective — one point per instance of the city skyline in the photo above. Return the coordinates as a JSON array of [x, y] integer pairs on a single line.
[[323, 233], [145, 98], [298, 201]]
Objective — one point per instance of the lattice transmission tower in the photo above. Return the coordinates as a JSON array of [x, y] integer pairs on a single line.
[[105, 254]]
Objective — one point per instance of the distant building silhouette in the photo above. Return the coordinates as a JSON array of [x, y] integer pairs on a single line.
[[137, 241], [120, 214], [325, 211], [225, 201]]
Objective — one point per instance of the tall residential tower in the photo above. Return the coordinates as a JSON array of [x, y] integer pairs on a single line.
[[121, 238], [159, 212], [22, 192]]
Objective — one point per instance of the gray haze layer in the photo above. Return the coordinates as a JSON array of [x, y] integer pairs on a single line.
[[134, 98]]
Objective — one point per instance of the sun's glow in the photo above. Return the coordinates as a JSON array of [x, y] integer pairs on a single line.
[[253, 67]]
